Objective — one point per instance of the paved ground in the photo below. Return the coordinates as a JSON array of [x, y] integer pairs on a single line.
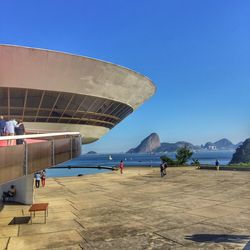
[[189, 209]]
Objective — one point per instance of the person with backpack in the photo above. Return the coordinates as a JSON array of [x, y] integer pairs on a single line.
[[163, 169]]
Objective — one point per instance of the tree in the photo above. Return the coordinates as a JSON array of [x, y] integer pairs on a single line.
[[183, 154], [168, 160]]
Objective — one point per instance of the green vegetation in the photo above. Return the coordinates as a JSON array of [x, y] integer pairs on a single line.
[[168, 160], [182, 156], [195, 162]]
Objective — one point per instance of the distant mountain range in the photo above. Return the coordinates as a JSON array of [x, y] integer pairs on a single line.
[[152, 144]]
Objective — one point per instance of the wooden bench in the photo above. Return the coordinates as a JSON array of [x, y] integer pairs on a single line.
[[39, 207]]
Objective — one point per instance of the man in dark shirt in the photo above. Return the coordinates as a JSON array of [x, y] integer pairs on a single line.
[[2, 125]]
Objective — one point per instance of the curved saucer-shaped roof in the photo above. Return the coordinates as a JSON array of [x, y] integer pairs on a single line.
[[60, 91]]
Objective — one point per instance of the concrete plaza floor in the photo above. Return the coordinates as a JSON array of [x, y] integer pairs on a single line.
[[188, 209]]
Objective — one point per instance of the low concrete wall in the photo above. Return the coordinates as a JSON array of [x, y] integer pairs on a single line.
[[225, 168], [24, 189]]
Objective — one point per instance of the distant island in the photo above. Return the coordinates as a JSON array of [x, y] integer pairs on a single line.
[[152, 144], [91, 153]]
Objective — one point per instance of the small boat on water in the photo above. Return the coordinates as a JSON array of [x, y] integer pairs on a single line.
[[110, 158]]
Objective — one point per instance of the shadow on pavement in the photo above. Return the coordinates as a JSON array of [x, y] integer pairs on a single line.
[[218, 238]]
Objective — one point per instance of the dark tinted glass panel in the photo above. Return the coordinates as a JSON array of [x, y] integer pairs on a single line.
[[68, 113], [49, 100], [64, 120], [30, 112], [16, 111], [75, 102], [29, 119], [111, 108], [88, 101], [57, 107], [96, 105], [33, 98], [4, 97], [53, 119], [17, 97], [41, 119], [43, 113], [63, 101], [3, 111]]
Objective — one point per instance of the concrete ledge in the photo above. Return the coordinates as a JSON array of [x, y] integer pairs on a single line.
[[225, 168]]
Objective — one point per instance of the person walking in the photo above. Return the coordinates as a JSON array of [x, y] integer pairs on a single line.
[[163, 169], [20, 130], [217, 164], [43, 177], [121, 166], [37, 179]]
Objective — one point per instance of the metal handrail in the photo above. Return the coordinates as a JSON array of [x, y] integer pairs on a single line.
[[34, 136]]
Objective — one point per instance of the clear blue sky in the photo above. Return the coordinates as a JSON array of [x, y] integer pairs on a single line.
[[196, 52]]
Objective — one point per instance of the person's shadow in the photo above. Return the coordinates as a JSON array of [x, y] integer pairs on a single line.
[[220, 238]]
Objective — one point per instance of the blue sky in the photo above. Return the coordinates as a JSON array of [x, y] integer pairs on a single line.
[[196, 52]]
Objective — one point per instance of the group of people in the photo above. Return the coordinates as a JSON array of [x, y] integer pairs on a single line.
[[163, 168], [10, 127], [40, 177]]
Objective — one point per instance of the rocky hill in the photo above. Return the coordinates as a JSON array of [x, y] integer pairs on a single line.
[[91, 153], [242, 154], [152, 144], [148, 145], [171, 147]]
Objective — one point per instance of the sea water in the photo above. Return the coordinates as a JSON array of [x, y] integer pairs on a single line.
[[111, 160]]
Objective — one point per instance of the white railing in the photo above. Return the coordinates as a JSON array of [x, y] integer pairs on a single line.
[[36, 136]]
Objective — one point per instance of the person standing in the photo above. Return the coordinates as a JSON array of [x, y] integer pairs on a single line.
[[217, 164], [121, 166], [37, 179], [2, 125], [43, 177], [20, 130], [9, 130], [162, 169], [165, 168]]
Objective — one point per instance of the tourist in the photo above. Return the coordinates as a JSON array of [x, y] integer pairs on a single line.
[[9, 194], [2, 125], [37, 179], [43, 177], [163, 169], [217, 164], [121, 166], [20, 130], [9, 130]]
